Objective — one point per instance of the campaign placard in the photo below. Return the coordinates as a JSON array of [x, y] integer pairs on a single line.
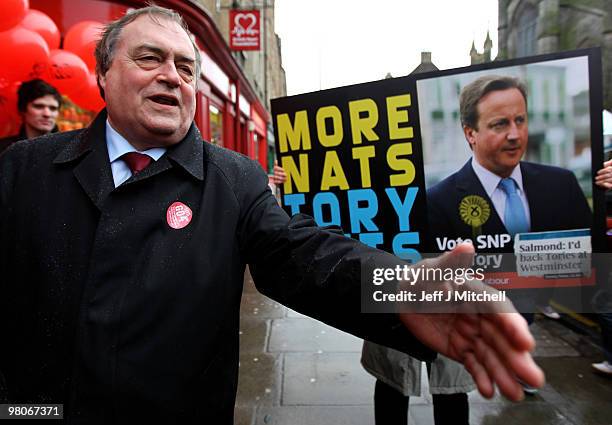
[[420, 163], [353, 159]]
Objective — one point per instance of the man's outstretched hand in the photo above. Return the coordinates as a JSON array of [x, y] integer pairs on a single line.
[[494, 347]]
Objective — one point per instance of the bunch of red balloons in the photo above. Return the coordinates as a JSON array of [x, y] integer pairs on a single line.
[[31, 49]]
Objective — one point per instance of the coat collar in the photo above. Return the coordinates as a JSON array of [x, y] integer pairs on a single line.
[[81, 143], [189, 153], [93, 169], [89, 153]]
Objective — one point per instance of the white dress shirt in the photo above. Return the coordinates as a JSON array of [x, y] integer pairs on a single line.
[[490, 182], [117, 146]]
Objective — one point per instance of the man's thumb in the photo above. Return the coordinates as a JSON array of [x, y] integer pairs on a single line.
[[460, 257]]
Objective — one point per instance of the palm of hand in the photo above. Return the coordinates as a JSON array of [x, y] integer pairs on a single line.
[[439, 331], [494, 347]]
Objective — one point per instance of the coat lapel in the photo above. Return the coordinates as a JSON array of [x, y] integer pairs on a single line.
[[89, 153], [187, 154], [92, 166]]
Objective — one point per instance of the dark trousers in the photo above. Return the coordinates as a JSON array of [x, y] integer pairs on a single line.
[[603, 306], [605, 320], [391, 407]]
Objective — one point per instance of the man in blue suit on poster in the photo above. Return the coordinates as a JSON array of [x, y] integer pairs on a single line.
[[495, 193]]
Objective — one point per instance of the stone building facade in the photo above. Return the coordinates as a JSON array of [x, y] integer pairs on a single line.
[[264, 67], [530, 27]]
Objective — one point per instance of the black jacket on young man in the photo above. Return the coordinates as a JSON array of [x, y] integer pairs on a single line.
[[5, 142], [109, 310]]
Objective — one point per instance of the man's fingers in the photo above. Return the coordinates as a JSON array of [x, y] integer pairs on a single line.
[[603, 177], [515, 329], [520, 362], [604, 180], [461, 256], [495, 339], [468, 326], [279, 175], [485, 354], [484, 344], [486, 360], [480, 375], [498, 371], [462, 341]]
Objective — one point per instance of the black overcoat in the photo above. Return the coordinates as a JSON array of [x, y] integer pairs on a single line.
[[111, 311]]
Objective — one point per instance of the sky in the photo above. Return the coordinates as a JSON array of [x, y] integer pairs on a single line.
[[333, 43]]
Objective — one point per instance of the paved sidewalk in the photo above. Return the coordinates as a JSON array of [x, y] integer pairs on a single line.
[[298, 371]]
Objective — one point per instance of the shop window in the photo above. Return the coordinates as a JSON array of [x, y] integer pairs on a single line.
[[216, 125], [271, 155], [562, 116], [437, 114], [255, 146]]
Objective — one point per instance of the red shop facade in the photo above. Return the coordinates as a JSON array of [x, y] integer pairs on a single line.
[[228, 111]]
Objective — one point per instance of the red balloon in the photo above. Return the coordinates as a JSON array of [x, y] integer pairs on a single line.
[[89, 96], [13, 12], [81, 39], [10, 121], [39, 22], [8, 92], [67, 72], [23, 52]]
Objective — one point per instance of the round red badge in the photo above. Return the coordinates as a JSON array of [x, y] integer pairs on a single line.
[[178, 215]]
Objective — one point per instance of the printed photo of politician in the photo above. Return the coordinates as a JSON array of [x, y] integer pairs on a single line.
[[507, 151]]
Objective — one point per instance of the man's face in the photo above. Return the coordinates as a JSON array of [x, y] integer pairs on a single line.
[[150, 85], [40, 115], [501, 138]]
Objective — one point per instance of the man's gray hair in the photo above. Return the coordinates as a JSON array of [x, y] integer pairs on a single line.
[[105, 48], [479, 88]]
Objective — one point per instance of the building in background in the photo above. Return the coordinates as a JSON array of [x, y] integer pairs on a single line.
[[485, 56], [530, 27], [426, 64], [263, 68]]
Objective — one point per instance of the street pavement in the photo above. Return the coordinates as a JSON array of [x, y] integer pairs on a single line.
[[297, 371]]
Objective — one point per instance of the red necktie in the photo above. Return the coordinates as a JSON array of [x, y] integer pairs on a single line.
[[136, 161]]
